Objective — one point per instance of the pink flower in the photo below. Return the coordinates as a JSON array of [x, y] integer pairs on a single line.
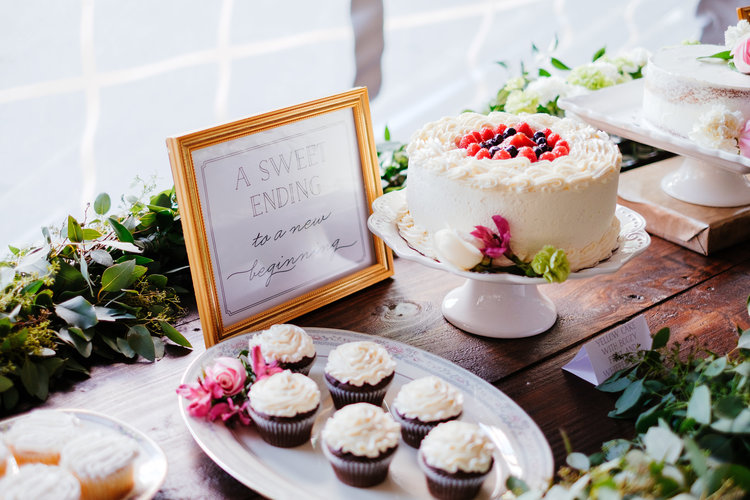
[[741, 54], [744, 140], [225, 377], [226, 410], [260, 367], [495, 244], [199, 397]]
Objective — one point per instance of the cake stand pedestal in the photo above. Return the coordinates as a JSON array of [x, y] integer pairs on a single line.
[[501, 305], [701, 183]]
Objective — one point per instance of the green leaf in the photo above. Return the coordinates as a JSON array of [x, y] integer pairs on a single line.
[[729, 406], [5, 383], [559, 64], [629, 398], [83, 347], [544, 73], [125, 348], [517, 485], [716, 367], [744, 341], [121, 231], [158, 280], [139, 338], [32, 287], [140, 260], [696, 456], [724, 55], [75, 233], [68, 278], [91, 234], [599, 53], [31, 378], [124, 246], [111, 314], [387, 133], [699, 406], [578, 461], [161, 200], [174, 335], [660, 339], [101, 257], [120, 276], [77, 312], [10, 398], [102, 204]]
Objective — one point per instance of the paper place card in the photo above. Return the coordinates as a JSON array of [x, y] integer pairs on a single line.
[[600, 358]]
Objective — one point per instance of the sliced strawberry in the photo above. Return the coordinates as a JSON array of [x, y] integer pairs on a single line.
[[528, 153], [478, 135], [519, 141], [487, 133], [501, 155], [549, 156], [562, 143], [525, 128], [559, 151], [500, 129], [482, 153], [466, 140], [552, 139], [472, 149], [546, 132]]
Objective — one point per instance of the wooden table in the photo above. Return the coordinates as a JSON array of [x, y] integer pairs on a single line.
[[699, 298]]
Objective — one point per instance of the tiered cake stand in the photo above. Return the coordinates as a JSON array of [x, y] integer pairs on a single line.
[[501, 305], [707, 177]]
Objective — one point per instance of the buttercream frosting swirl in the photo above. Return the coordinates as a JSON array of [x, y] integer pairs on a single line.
[[457, 446], [361, 429], [41, 482], [42, 431], [359, 363], [98, 454], [284, 343], [284, 394], [429, 399], [592, 154]]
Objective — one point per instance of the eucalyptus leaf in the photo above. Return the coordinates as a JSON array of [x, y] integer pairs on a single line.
[[68, 278], [629, 398], [662, 444], [729, 406], [102, 204], [91, 234], [174, 335], [715, 367], [696, 456], [75, 233], [699, 406], [139, 338], [119, 276], [124, 347], [30, 377], [744, 341], [158, 280], [35, 263], [660, 338], [101, 257], [77, 312], [81, 345], [123, 234], [578, 461], [10, 398], [111, 314], [159, 347], [124, 246], [5, 383]]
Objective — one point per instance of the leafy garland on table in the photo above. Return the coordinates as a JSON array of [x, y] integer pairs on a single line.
[[100, 289]]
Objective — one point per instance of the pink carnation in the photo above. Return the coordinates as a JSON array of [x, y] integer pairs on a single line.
[[744, 140], [199, 397]]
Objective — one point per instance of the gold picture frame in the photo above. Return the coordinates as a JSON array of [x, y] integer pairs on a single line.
[[274, 211]]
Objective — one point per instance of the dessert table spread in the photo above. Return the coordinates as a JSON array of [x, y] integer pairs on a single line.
[[702, 299]]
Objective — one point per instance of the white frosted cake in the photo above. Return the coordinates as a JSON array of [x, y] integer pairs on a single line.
[[680, 88], [560, 191]]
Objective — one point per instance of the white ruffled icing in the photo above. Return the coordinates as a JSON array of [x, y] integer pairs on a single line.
[[40, 482], [429, 399], [457, 445], [359, 363], [592, 155], [284, 343], [98, 454], [284, 394], [42, 431], [362, 429]]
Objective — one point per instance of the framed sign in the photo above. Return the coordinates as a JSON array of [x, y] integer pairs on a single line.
[[274, 210]]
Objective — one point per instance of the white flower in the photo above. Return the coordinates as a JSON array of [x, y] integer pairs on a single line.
[[718, 128], [453, 248], [733, 33], [549, 88]]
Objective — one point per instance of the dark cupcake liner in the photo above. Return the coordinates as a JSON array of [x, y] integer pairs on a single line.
[[302, 366], [345, 394], [446, 486], [414, 430], [361, 472], [284, 432]]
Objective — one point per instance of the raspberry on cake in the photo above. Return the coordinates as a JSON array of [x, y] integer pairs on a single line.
[[558, 192]]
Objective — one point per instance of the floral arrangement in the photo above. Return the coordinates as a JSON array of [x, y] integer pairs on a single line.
[[692, 422], [221, 392], [488, 251], [737, 44], [101, 289]]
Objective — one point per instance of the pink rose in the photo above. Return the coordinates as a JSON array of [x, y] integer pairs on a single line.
[[225, 377], [741, 55], [744, 140]]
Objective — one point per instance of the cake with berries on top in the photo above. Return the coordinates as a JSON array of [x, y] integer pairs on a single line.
[[552, 182]]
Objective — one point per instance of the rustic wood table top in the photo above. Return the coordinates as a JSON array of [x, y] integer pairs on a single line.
[[700, 298]]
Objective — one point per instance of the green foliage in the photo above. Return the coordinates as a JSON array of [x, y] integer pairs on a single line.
[[99, 289], [393, 163]]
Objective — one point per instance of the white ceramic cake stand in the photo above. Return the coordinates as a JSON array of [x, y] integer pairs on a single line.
[[707, 176], [501, 305]]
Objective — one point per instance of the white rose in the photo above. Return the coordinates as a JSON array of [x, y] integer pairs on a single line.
[[456, 250], [733, 33]]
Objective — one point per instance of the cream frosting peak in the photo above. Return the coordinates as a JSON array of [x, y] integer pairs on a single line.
[[359, 363], [456, 445], [98, 454], [41, 482], [284, 343], [284, 394], [429, 399], [361, 429]]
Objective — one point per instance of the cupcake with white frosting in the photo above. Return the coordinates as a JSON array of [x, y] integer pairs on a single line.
[[40, 482], [359, 372], [289, 345], [4, 456], [360, 441], [283, 408], [456, 457], [103, 462], [40, 435], [424, 403]]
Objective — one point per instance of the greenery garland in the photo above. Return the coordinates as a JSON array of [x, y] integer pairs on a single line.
[[100, 289]]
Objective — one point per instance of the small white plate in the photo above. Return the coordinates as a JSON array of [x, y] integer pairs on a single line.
[[150, 465], [303, 472]]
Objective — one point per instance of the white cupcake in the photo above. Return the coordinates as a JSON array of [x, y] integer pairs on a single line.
[[359, 372], [40, 482], [360, 441], [283, 408], [456, 457], [40, 435], [424, 403], [103, 462], [289, 345]]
